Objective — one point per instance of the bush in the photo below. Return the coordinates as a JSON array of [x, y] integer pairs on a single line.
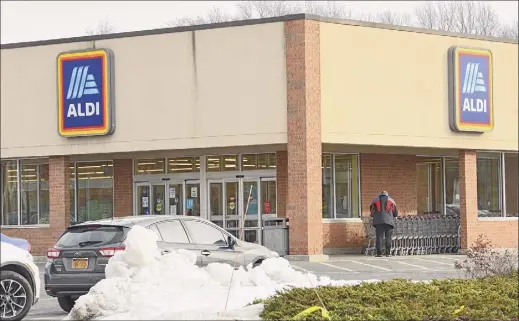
[[491, 298], [484, 260]]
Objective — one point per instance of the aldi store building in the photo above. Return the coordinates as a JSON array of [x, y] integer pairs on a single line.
[[297, 116]]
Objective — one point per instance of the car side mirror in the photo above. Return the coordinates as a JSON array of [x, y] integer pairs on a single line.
[[231, 242]]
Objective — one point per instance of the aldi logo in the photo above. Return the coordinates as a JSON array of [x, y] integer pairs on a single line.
[[471, 106], [85, 93]]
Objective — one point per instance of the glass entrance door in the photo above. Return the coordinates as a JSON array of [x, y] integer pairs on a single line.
[[234, 205], [251, 223], [143, 199], [159, 198], [175, 198]]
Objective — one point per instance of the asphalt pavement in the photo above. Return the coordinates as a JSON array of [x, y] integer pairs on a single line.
[[361, 267], [347, 267], [47, 308]]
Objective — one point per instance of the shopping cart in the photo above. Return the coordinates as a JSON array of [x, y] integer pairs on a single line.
[[418, 235]]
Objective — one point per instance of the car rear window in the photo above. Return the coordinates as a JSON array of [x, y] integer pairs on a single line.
[[92, 236]]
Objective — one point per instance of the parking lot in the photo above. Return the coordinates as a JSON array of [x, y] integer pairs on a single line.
[[361, 267], [347, 267]]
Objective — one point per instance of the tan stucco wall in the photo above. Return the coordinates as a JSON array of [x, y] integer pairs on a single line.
[[208, 88], [389, 87]]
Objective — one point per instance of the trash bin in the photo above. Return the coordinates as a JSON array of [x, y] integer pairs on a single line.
[[275, 235]]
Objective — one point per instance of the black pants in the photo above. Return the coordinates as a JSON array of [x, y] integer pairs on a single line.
[[383, 230]]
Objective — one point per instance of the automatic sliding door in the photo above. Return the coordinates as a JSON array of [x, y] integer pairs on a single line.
[[232, 206], [251, 211], [193, 199], [236, 205], [176, 197], [158, 193], [216, 201], [143, 198]]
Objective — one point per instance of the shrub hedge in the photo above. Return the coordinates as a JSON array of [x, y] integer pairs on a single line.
[[490, 298]]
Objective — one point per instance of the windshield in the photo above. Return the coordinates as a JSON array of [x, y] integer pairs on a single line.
[[92, 235]]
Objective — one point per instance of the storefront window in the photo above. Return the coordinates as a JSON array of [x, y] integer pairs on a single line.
[[44, 193], [72, 193], [183, 165], [94, 190], [340, 186], [213, 164], [230, 163], [452, 186], [249, 162], [258, 161], [489, 185], [25, 192], [223, 163], [346, 187], [150, 166], [429, 186], [327, 186], [511, 181], [271, 160], [29, 194], [10, 192]]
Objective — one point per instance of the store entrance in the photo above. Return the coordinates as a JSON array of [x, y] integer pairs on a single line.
[[156, 198], [239, 204]]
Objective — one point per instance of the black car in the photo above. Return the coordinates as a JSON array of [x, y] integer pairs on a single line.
[[78, 260]]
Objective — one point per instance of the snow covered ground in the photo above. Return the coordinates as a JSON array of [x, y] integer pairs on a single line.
[[142, 284]]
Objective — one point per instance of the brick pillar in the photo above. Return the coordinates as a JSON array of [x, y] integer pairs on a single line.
[[511, 172], [123, 187], [468, 195], [281, 183], [304, 206], [59, 195]]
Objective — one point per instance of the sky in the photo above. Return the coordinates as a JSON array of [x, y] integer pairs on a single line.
[[39, 20]]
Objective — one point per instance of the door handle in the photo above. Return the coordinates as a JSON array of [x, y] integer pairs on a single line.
[[206, 252], [165, 252]]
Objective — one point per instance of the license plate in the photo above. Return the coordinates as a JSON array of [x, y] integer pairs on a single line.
[[80, 263]]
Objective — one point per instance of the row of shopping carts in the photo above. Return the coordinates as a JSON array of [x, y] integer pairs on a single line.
[[419, 235]]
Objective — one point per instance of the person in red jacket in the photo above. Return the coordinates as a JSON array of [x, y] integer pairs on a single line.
[[383, 211]]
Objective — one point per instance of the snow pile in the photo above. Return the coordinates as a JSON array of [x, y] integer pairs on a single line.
[[143, 284]]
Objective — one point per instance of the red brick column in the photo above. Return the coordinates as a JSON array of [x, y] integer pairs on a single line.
[[123, 187], [59, 195], [393, 173], [511, 168], [304, 206], [281, 183], [468, 196]]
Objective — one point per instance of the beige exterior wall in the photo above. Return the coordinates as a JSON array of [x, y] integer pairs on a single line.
[[402, 77], [196, 89]]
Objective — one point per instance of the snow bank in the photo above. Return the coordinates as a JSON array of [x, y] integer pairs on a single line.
[[143, 284]]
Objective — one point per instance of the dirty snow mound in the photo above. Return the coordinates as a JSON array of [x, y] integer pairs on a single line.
[[143, 284]]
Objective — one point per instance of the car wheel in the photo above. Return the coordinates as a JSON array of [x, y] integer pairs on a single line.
[[16, 296], [66, 303]]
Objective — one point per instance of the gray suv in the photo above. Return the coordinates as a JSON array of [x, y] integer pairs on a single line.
[[77, 261]]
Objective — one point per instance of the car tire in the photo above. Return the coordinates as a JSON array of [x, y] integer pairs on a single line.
[[66, 303], [6, 276]]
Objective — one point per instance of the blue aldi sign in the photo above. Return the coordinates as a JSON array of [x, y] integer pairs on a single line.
[[471, 107], [85, 93]]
